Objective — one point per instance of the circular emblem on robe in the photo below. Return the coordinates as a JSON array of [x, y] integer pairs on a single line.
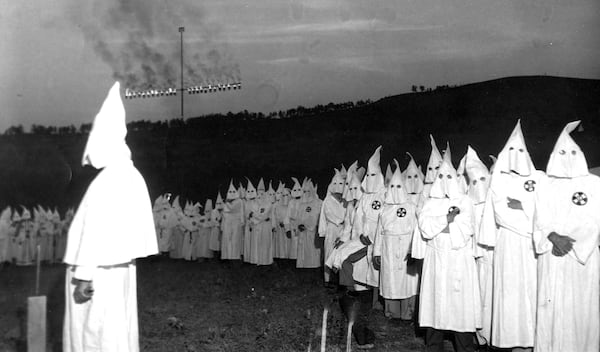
[[529, 185], [164, 217], [194, 223], [376, 205], [579, 198], [308, 209], [401, 212], [452, 209], [262, 210]]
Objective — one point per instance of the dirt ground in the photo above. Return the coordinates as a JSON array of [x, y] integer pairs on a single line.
[[210, 306]]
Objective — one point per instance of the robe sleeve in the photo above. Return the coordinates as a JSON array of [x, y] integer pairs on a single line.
[[377, 241], [347, 228], [462, 228], [487, 228], [357, 225], [431, 223]]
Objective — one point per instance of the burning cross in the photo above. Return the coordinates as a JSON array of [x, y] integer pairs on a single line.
[[529, 185], [376, 205], [308, 209], [401, 212], [579, 198]]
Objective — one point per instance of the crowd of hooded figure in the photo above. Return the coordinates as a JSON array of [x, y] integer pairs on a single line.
[[21, 233], [506, 257], [256, 224]]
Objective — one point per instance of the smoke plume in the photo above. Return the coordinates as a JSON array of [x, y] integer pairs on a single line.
[[139, 40]]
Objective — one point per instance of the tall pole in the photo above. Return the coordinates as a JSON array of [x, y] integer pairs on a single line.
[[181, 30]]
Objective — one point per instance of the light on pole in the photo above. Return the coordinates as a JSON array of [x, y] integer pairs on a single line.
[[181, 30]]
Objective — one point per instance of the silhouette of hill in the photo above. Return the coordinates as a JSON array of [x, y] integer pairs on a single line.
[[198, 156]]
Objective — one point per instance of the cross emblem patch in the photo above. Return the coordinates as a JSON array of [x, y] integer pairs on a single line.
[[579, 198], [376, 205], [308, 209], [262, 210], [401, 212], [529, 185]]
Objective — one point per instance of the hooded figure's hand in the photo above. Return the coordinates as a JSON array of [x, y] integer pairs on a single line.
[[365, 240], [514, 203], [301, 227], [561, 244], [337, 243], [83, 291], [288, 234], [377, 262]]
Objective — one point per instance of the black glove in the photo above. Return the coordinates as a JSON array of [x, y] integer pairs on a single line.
[[561, 244], [281, 225], [377, 262], [83, 291], [288, 234], [365, 240], [301, 227]]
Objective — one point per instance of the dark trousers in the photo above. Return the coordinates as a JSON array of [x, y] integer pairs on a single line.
[[347, 269], [463, 341], [357, 305]]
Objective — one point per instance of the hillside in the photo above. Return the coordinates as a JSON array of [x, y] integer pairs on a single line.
[[201, 157]]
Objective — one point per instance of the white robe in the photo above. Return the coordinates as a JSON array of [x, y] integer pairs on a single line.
[[251, 208], [280, 240], [509, 232], [568, 306], [365, 223], [232, 230], [107, 322], [215, 231], [485, 270], [261, 246], [392, 243], [449, 295], [309, 253], [331, 223], [291, 224]]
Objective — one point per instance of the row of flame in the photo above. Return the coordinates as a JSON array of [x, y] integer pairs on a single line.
[[210, 88]]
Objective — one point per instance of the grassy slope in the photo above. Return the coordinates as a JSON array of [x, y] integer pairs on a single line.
[[201, 159]]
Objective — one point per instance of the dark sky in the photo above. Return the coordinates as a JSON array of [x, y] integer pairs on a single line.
[[59, 58]]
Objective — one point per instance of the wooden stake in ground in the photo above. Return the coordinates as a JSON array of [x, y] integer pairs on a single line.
[[36, 315], [324, 329]]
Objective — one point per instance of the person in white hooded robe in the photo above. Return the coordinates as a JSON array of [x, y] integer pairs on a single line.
[[189, 224], [413, 178], [177, 234], [250, 209], [399, 277], [449, 295], [331, 219], [309, 249], [100, 292], [216, 217], [478, 179], [280, 241], [291, 219], [263, 222], [507, 227], [566, 237], [202, 249], [27, 238], [232, 225]]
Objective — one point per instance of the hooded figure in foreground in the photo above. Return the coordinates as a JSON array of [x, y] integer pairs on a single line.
[[449, 286], [331, 220], [101, 298], [566, 237], [507, 227]]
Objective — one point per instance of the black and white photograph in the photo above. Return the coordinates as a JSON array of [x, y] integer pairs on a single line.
[[300, 175]]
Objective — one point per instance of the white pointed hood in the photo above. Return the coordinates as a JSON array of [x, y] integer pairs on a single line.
[[250, 191], [447, 154], [373, 181], [413, 177], [514, 156], [242, 191], [208, 206], [296, 189], [343, 172], [395, 192], [219, 202], [106, 141], [285, 196], [388, 175], [445, 184], [479, 176], [260, 189], [337, 183], [567, 159], [5, 218], [308, 191], [346, 195], [433, 165], [355, 192], [232, 192], [279, 192], [461, 175], [271, 193]]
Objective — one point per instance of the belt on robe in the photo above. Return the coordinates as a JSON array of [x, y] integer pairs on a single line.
[[394, 234]]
